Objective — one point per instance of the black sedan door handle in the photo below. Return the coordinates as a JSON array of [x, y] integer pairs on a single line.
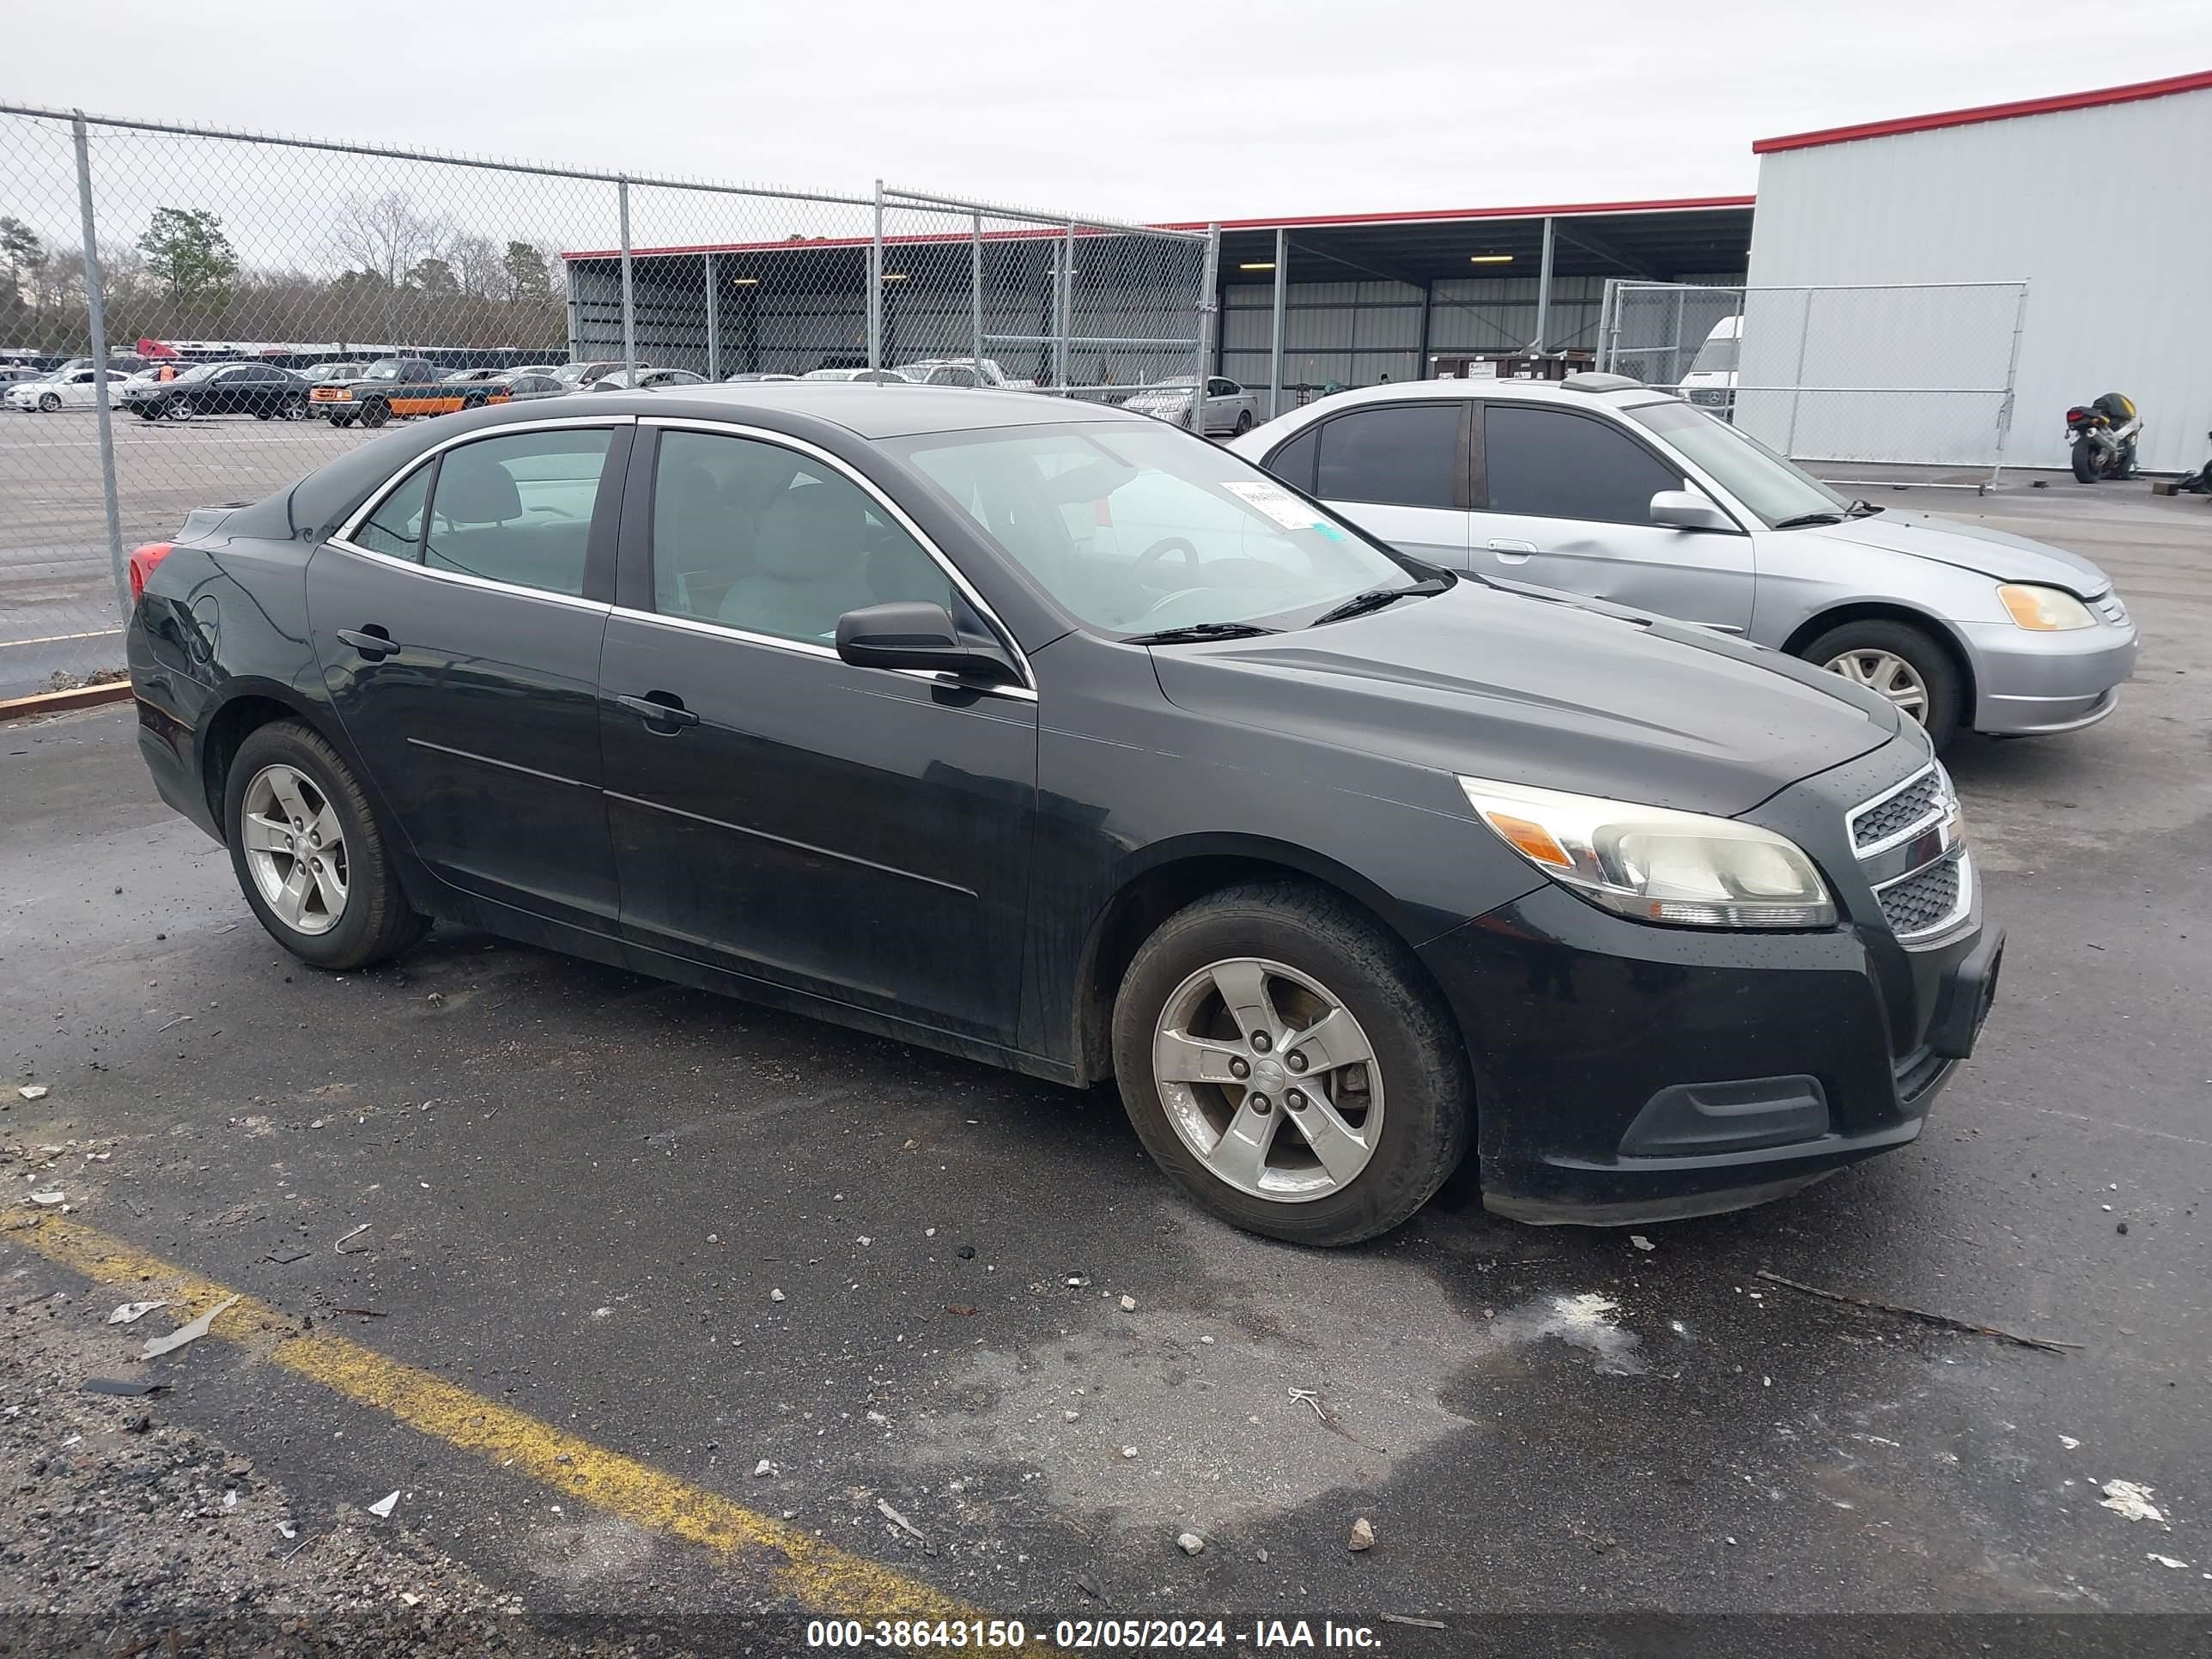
[[373, 642], [662, 711]]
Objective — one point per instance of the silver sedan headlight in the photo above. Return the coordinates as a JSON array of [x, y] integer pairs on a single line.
[[1653, 864]]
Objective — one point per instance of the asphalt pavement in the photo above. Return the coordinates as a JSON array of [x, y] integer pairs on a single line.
[[809, 1273]]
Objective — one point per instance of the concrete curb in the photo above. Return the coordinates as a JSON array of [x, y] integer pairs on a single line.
[[55, 702]]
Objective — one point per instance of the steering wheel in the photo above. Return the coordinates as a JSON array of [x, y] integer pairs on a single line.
[[1141, 573]]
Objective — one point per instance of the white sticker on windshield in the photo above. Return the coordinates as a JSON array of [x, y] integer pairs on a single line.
[[1277, 502]]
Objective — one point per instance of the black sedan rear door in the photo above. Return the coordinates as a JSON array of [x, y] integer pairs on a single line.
[[459, 621]]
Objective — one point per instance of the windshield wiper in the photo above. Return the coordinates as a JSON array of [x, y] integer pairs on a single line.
[[1375, 597], [1862, 509], [1804, 519], [1209, 630]]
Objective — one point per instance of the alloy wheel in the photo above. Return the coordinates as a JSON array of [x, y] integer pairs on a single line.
[[1887, 673], [1269, 1079], [180, 409], [295, 848]]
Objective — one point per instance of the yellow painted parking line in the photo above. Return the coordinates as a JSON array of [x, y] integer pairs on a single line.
[[822, 1577], [57, 639]]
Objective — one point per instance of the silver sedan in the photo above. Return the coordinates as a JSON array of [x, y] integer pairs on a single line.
[[1603, 487]]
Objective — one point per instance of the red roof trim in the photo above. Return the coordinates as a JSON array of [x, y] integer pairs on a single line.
[[1964, 118], [1431, 216], [1417, 217]]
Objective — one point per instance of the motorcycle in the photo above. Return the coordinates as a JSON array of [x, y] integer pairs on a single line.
[[2103, 436]]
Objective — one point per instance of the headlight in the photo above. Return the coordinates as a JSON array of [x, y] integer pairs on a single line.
[[2045, 609], [1652, 864]]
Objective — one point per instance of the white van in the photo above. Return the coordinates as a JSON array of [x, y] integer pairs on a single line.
[[1711, 380]]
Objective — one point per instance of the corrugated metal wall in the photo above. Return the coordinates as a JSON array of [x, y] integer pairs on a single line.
[[2104, 212]]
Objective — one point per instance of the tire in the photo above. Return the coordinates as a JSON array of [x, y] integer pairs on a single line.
[[177, 408], [342, 420], [2086, 459], [1940, 689], [372, 919], [1417, 1085], [295, 409], [470, 402], [2124, 465], [262, 415], [1244, 421], [375, 413], [48, 402]]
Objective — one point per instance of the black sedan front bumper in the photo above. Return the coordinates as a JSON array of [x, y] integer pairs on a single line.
[[1629, 1073]]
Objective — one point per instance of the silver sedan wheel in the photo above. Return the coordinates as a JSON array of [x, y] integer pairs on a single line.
[[1268, 1078], [1886, 673], [295, 848]]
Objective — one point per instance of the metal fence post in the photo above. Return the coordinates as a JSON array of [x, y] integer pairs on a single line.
[[714, 323], [1065, 324], [628, 294], [1209, 278], [96, 314], [1604, 357], [976, 292], [2012, 374], [876, 286], [1275, 330]]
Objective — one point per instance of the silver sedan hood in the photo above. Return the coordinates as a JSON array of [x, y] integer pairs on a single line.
[[1997, 553]]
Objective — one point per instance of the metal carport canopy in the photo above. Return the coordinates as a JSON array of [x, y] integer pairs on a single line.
[[1657, 241]]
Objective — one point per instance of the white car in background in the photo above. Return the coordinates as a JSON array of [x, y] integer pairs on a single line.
[[1711, 379], [964, 371], [875, 376], [1228, 407], [66, 388]]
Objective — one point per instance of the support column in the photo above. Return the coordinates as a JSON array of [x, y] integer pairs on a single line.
[[714, 323], [628, 293], [96, 314], [1275, 330], [1428, 310], [1544, 290]]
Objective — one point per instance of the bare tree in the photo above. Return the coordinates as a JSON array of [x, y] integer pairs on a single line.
[[476, 261], [386, 236]]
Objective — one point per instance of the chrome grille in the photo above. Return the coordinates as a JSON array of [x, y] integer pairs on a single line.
[[1920, 800], [1924, 900]]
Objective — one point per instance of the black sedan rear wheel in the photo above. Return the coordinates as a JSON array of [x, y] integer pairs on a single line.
[[308, 855]]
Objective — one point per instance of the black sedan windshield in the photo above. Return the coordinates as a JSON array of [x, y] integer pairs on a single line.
[[1141, 530]]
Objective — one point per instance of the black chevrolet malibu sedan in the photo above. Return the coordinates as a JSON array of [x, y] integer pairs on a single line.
[[1054, 737]]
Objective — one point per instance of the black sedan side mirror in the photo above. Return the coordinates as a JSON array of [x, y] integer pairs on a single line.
[[916, 634]]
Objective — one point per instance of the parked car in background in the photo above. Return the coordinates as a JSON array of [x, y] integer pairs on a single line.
[[13, 373], [1710, 382], [645, 379], [532, 368], [753, 377], [520, 385], [403, 386], [331, 373], [260, 390], [66, 388], [1050, 736], [578, 376], [875, 376], [1228, 407], [475, 376], [1600, 486], [960, 371]]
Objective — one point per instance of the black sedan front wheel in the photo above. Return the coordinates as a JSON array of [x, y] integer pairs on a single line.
[[1281, 1057], [178, 409], [308, 855]]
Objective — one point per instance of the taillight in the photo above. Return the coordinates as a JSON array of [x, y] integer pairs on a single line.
[[143, 561]]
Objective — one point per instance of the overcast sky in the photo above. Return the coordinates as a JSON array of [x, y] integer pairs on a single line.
[[1129, 108]]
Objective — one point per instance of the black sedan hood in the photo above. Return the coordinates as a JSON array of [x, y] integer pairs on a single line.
[[1529, 689]]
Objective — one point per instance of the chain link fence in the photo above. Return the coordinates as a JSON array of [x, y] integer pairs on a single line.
[[262, 302], [1914, 374]]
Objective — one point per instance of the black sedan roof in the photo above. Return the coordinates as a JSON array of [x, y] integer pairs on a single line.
[[866, 408]]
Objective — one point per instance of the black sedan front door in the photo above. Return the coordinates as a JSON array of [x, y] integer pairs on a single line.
[[852, 833], [459, 623]]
